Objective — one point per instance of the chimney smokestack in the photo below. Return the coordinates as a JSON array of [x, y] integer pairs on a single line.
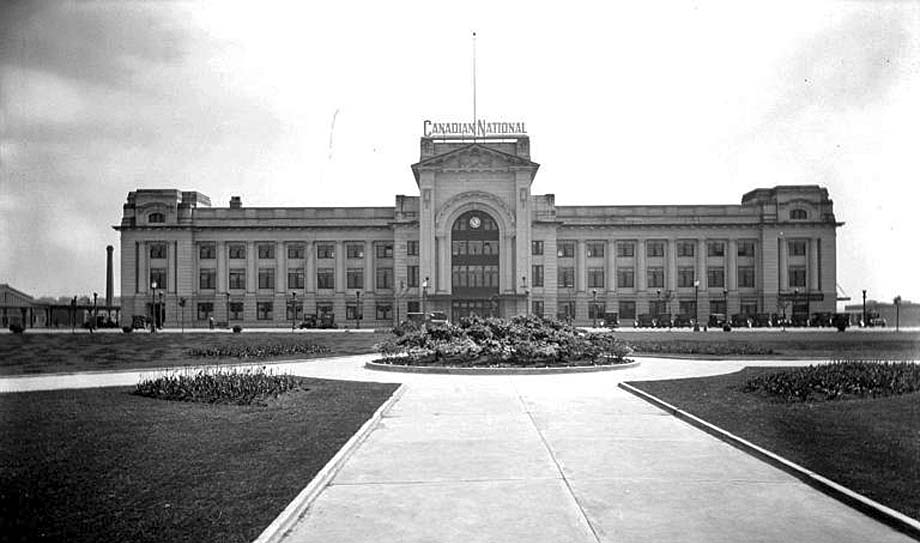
[[109, 281]]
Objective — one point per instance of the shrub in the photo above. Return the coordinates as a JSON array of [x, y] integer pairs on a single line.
[[838, 381], [237, 328], [17, 328], [700, 347], [258, 351], [127, 329], [219, 385], [521, 341]]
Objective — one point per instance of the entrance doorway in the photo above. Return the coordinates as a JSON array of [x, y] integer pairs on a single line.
[[474, 265]]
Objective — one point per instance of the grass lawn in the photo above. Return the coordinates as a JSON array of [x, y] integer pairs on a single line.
[[35, 353], [870, 445], [105, 465], [794, 344]]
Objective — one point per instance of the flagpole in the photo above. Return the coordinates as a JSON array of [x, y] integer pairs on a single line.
[[475, 128]]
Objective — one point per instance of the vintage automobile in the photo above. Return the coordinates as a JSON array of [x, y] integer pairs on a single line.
[[682, 321], [822, 319], [740, 320], [841, 321], [799, 320], [646, 320], [762, 320], [611, 320], [717, 320]]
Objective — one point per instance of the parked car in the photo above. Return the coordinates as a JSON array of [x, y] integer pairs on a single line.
[[682, 321], [646, 320], [309, 321], [717, 320], [611, 320], [841, 321], [740, 320], [762, 320], [436, 318], [822, 319], [799, 320], [873, 319]]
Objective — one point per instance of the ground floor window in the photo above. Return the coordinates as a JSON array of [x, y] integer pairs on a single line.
[[384, 312], [294, 310], [627, 310], [567, 310], [717, 306], [413, 306], [658, 307], [205, 310], [236, 311], [352, 311], [323, 308], [748, 307], [537, 308], [687, 307], [264, 311], [596, 310]]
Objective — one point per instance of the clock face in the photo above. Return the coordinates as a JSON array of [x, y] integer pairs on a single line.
[[475, 222]]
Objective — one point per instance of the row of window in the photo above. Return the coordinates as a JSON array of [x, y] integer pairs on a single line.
[[626, 309], [474, 276], [653, 248], [265, 311], [325, 278], [626, 277], [295, 251], [474, 247]]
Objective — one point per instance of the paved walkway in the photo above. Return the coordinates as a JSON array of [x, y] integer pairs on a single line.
[[555, 458]]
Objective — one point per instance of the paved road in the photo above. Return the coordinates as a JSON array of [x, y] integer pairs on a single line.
[[554, 458]]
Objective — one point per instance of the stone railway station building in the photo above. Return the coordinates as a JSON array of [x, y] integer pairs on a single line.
[[475, 240]]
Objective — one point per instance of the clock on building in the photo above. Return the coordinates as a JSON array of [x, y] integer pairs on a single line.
[[475, 222]]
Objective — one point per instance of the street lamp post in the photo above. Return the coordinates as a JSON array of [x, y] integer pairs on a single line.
[[696, 305], [228, 308], [526, 296], [92, 325], [402, 286], [424, 295], [594, 305], [864, 323], [658, 306], [182, 314], [897, 313], [357, 309], [153, 307], [293, 310], [795, 299], [160, 310], [73, 315]]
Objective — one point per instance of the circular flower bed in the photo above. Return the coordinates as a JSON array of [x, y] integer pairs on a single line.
[[520, 342]]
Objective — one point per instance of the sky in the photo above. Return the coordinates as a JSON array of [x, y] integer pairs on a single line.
[[322, 104]]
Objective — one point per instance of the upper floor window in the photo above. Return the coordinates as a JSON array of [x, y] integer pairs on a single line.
[[155, 218], [686, 248], [595, 248], [715, 248], [745, 248], [266, 251], [325, 250], [384, 250], [237, 251], [626, 249], [654, 248], [536, 248], [797, 247], [158, 250], [412, 247], [798, 214], [295, 251], [354, 250], [206, 251], [566, 249]]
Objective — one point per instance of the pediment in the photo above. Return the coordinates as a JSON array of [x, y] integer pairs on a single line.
[[473, 158]]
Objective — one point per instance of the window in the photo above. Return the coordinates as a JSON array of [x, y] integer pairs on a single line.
[[266, 278], [748, 307], [237, 251], [412, 306], [156, 218], [293, 310], [746, 276], [627, 310], [626, 278], [205, 310], [323, 308], [266, 251], [715, 248], [654, 248], [686, 275], [715, 277], [384, 312], [596, 310], [207, 279], [384, 250], [717, 306], [325, 278], [626, 249], [158, 277], [325, 250], [796, 276], [295, 279], [595, 249], [295, 251], [797, 247], [655, 277], [490, 247], [536, 248], [746, 248], [352, 313], [687, 307], [463, 276], [566, 249], [658, 307], [536, 307], [237, 279], [207, 251], [412, 276], [384, 278], [354, 250], [686, 248], [566, 277], [567, 310], [158, 250], [354, 278], [795, 214], [412, 247], [595, 277], [458, 248], [264, 311], [236, 311], [536, 275]]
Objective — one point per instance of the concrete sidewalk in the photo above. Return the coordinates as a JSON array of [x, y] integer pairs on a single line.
[[559, 459]]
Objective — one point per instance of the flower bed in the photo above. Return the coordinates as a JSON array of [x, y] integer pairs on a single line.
[[258, 351], [838, 381], [489, 342], [717, 348], [219, 385]]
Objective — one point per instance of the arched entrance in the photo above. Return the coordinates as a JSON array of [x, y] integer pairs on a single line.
[[474, 250]]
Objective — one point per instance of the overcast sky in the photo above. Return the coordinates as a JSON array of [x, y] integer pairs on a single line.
[[321, 104]]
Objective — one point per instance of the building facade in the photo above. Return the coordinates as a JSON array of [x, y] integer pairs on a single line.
[[475, 240]]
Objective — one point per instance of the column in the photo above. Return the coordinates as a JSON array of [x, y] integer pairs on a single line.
[[581, 272], [783, 264], [641, 269], [443, 265], [221, 267], [309, 256], [672, 265], [731, 270], [171, 268], [280, 268], [340, 266], [611, 253], [250, 267], [701, 264], [813, 265], [369, 276], [143, 253]]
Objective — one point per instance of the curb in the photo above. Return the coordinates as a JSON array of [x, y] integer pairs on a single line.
[[288, 518], [872, 508], [496, 371]]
